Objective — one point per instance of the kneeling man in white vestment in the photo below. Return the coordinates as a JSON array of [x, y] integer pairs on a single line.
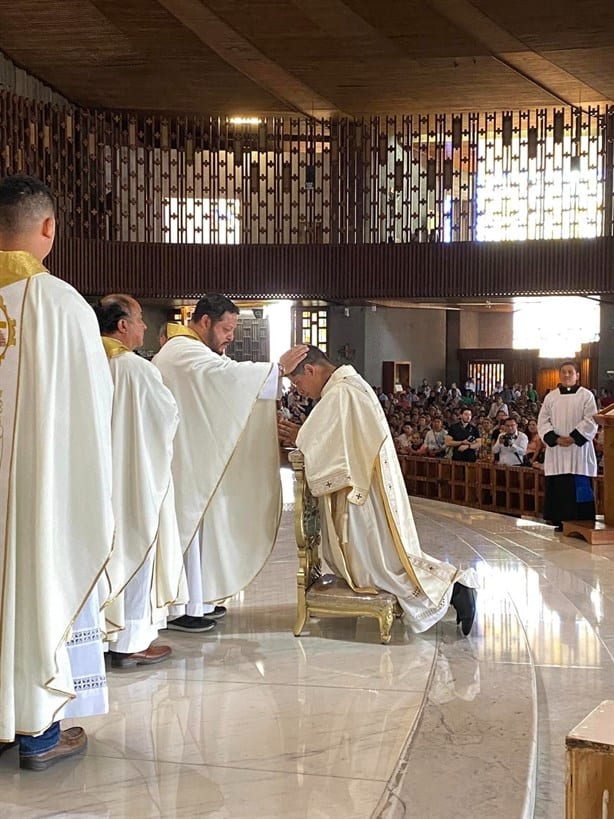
[[226, 462], [368, 533], [145, 572], [56, 518]]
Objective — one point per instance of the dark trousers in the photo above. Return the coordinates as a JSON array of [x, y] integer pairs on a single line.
[[569, 497]]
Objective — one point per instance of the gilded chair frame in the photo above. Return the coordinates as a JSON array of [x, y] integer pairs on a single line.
[[326, 595]]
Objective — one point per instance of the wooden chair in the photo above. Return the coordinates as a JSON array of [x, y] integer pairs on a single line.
[[326, 595]]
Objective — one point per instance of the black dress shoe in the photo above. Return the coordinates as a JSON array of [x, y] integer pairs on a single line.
[[463, 600], [191, 624], [217, 613]]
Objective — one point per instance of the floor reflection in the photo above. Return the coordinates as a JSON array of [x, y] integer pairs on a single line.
[[250, 721]]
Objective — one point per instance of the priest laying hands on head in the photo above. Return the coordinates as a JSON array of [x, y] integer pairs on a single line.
[[225, 462]]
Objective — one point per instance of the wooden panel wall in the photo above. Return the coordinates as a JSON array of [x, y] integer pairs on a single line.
[[416, 271]]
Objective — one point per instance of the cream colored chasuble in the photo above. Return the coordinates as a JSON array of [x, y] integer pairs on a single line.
[[368, 530], [144, 423], [226, 461], [56, 521]]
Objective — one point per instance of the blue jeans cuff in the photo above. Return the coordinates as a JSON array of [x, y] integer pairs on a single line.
[[31, 746]]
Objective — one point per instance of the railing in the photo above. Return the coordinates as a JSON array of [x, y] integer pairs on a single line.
[[511, 490], [124, 177]]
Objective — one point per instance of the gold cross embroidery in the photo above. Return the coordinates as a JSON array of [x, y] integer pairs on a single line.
[[7, 330]]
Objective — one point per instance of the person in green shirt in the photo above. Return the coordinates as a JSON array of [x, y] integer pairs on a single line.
[[531, 393]]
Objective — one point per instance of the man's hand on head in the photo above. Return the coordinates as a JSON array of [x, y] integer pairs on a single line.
[[293, 357]]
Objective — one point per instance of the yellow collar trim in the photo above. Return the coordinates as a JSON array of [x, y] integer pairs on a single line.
[[173, 330], [113, 347], [16, 265]]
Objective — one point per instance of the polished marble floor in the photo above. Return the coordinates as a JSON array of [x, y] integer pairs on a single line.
[[251, 722]]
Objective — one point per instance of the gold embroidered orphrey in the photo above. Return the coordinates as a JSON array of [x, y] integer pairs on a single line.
[[7, 331]]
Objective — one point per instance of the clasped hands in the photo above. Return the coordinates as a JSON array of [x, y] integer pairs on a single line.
[[287, 431]]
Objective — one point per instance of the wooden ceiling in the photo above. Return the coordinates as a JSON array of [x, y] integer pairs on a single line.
[[316, 57]]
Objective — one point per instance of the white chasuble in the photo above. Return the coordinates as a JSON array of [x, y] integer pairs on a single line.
[[56, 530], [226, 461], [145, 572], [368, 532]]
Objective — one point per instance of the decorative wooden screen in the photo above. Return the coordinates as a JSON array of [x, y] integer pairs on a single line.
[[120, 176], [251, 340]]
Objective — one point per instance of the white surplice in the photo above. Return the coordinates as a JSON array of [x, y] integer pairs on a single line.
[[86, 656], [56, 519], [145, 572], [563, 412], [369, 537], [226, 462]]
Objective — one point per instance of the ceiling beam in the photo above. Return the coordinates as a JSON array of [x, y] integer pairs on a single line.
[[246, 58], [517, 56]]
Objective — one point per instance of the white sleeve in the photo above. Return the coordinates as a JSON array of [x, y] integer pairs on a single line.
[[521, 444], [272, 386]]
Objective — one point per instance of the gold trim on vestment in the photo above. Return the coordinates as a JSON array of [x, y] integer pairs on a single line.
[[113, 347], [10, 468], [279, 512], [173, 330], [154, 542], [69, 696], [251, 580], [16, 265], [396, 538], [248, 418], [328, 499]]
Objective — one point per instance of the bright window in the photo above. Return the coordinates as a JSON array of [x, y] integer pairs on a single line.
[[202, 221], [555, 325], [517, 199]]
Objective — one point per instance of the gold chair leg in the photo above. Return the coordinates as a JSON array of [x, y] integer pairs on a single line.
[[301, 617], [385, 624]]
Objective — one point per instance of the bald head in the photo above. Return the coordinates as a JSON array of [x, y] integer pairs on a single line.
[[27, 215], [120, 317]]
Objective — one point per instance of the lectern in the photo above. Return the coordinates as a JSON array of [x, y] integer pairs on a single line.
[[600, 532]]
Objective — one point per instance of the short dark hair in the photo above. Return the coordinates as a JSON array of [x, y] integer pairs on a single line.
[[314, 356], [23, 201], [573, 364], [214, 305], [110, 309]]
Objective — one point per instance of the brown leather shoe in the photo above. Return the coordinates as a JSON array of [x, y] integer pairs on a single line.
[[73, 741], [151, 655]]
